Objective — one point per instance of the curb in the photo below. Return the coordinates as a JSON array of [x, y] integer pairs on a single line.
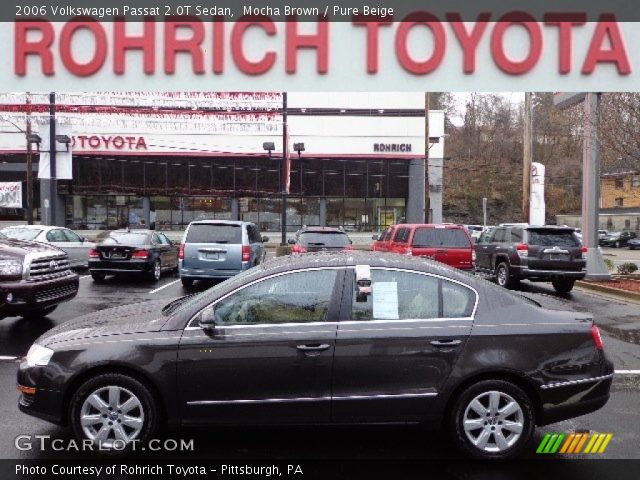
[[610, 290]]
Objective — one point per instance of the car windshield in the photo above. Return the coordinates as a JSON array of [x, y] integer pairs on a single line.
[[324, 239], [126, 238], [214, 233], [615, 234], [551, 238], [441, 237], [21, 233]]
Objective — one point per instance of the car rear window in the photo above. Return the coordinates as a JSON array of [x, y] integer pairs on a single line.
[[441, 237], [550, 238], [214, 233], [324, 239], [21, 233], [126, 238]]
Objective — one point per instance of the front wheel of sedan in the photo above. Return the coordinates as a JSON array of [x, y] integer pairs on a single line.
[[112, 410], [492, 419]]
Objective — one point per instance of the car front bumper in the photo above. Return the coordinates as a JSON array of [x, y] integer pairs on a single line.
[[29, 296], [47, 402]]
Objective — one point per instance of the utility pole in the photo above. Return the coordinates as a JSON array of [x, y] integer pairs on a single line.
[[284, 171], [52, 159], [526, 158], [29, 164], [427, 192]]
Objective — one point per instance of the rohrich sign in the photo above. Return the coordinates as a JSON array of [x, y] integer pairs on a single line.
[[492, 51], [11, 194]]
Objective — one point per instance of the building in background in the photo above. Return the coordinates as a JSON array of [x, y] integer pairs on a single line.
[[167, 160]]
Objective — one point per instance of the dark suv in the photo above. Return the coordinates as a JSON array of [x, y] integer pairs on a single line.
[[540, 254], [34, 278]]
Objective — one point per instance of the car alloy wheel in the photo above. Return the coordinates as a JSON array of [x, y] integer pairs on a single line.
[[493, 421], [112, 414], [157, 271], [503, 275]]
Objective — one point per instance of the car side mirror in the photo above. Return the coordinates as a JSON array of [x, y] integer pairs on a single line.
[[291, 241], [207, 320], [265, 239]]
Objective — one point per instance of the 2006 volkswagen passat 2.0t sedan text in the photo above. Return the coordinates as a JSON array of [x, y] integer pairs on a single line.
[[340, 338]]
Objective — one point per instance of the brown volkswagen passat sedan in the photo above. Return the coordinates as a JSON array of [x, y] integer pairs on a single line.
[[339, 338]]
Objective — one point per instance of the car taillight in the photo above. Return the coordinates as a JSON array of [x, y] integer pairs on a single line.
[[93, 253], [140, 254], [584, 252], [348, 247], [522, 249], [181, 252], [409, 251], [298, 249], [473, 256], [246, 253], [597, 339]]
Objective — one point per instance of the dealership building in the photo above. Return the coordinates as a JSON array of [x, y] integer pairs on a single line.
[[165, 160]]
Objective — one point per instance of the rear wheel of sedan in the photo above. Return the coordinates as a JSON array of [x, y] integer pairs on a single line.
[[492, 419], [98, 276], [564, 285], [503, 275], [156, 273], [112, 410]]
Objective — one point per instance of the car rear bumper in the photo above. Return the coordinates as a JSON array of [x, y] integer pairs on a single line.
[[203, 274], [28, 296], [125, 266], [528, 273]]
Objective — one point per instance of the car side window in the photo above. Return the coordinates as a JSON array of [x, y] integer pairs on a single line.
[[72, 236], [397, 295], [155, 240], [499, 236], [402, 235], [163, 239], [56, 236], [298, 297], [517, 235], [486, 236], [457, 301]]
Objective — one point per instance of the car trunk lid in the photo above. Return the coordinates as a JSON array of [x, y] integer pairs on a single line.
[[554, 249]]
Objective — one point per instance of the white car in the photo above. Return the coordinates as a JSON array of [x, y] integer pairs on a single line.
[[73, 244]]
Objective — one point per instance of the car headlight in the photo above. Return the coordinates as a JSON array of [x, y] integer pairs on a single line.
[[10, 267], [38, 355]]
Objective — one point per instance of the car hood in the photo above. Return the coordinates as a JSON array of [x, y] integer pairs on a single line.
[[10, 248], [136, 318]]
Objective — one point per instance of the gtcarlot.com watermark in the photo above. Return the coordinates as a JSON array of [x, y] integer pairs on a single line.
[[47, 443]]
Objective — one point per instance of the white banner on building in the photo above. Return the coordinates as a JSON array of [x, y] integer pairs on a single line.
[[537, 205], [11, 194], [64, 164]]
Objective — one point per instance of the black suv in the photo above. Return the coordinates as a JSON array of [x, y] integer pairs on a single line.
[[34, 278], [540, 254]]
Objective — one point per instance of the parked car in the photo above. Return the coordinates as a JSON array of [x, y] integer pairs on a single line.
[[320, 239], [540, 254], [382, 242], [75, 246], [617, 239], [633, 243], [602, 234], [34, 278], [292, 342], [219, 249], [144, 252], [446, 243], [475, 231]]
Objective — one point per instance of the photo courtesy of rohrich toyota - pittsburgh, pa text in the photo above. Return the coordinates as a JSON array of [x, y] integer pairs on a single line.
[[328, 239]]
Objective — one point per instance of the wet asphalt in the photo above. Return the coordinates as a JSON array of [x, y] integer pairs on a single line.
[[619, 321]]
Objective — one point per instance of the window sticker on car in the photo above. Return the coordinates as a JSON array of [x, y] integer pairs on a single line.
[[385, 301]]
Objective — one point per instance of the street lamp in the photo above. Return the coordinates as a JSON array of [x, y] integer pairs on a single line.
[[269, 147], [64, 139]]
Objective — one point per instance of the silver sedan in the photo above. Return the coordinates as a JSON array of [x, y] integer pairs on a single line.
[[73, 244]]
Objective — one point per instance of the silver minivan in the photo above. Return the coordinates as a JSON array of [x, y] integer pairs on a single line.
[[218, 249]]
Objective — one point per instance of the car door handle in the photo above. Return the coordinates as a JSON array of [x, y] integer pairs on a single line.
[[314, 347], [445, 343]]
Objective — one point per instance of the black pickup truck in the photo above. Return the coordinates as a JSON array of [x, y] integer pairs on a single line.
[[34, 278], [536, 253]]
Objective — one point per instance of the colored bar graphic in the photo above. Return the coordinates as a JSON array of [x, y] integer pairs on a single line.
[[574, 442]]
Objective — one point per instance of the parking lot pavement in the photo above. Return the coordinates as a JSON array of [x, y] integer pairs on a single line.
[[620, 416], [621, 255]]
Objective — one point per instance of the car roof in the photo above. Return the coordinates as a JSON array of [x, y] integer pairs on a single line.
[[321, 230], [430, 225], [135, 230], [220, 222]]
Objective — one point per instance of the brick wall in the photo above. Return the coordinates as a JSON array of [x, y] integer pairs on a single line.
[[609, 192]]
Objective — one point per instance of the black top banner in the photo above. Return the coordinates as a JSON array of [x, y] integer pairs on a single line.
[[311, 10]]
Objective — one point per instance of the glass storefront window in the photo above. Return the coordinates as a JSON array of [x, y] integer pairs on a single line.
[[335, 212]]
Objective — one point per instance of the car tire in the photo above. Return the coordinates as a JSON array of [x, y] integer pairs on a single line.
[[39, 313], [110, 423], [156, 273], [480, 429], [564, 285], [187, 282], [98, 277], [503, 275]]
